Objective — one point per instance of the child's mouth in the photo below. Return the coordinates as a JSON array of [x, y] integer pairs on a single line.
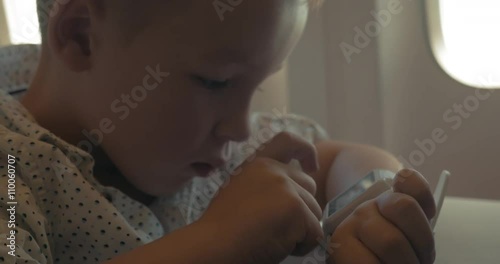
[[202, 169]]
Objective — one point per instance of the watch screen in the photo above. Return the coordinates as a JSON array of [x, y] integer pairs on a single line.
[[355, 191]]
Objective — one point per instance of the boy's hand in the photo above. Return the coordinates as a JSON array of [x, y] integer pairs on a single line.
[[268, 210], [393, 228]]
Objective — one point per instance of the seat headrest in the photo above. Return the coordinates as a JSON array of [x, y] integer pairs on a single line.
[[18, 64]]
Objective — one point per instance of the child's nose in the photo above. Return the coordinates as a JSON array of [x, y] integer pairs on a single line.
[[235, 127]]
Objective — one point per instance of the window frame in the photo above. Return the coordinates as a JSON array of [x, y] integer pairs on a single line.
[[4, 28]]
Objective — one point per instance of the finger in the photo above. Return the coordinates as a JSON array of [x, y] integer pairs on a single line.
[[304, 180], [313, 231], [310, 201], [412, 183], [384, 239], [346, 248], [405, 213], [286, 146], [351, 251]]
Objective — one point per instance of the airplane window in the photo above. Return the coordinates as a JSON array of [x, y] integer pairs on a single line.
[[466, 39], [22, 21]]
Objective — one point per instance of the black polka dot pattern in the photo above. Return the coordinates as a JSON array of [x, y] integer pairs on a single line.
[[65, 216]]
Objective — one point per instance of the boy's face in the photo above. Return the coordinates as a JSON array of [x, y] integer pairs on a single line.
[[214, 67]]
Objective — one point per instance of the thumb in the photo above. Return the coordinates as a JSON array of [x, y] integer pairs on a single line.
[[412, 183]]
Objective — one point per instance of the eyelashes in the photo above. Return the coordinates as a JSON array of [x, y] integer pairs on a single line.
[[215, 85], [212, 84]]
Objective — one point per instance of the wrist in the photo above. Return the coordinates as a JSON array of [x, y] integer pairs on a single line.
[[214, 242]]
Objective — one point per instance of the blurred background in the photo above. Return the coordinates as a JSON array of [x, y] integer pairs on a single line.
[[417, 78]]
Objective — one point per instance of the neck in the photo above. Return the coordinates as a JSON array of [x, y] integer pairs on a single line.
[[49, 108], [109, 175]]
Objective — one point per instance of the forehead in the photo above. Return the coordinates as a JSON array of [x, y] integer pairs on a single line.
[[253, 29]]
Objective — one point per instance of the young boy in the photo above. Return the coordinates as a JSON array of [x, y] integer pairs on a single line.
[[133, 99]]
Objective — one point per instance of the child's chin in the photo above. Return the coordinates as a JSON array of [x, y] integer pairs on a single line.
[[203, 170]]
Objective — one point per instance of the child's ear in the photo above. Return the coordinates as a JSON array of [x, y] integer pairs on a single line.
[[69, 33]]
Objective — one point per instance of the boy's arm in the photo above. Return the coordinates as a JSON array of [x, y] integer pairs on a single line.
[[342, 164], [195, 243]]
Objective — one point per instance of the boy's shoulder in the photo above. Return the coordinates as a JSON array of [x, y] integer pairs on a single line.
[[12, 113], [36, 150]]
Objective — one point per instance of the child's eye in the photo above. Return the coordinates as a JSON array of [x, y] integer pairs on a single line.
[[213, 84]]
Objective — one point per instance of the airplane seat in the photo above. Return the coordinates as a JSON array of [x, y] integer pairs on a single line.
[[18, 64]]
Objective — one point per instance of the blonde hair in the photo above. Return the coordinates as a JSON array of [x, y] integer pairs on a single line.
[[48, 8]]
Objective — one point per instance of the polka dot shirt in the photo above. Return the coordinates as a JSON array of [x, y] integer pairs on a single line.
[[64, 215]]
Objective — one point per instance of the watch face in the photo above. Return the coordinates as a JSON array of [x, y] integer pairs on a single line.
[[357, 190]]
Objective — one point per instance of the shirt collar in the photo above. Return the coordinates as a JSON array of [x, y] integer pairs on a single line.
[[16, 118]]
